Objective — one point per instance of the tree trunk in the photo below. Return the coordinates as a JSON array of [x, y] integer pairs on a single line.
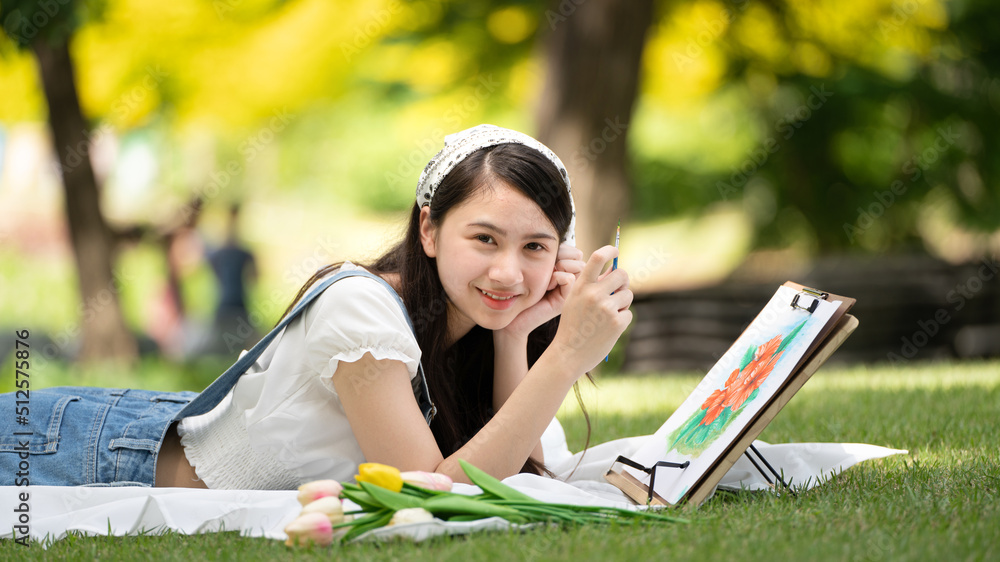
[[593, 52], [104, 335]]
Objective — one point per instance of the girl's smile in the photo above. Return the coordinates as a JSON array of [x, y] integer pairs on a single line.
[[498, 300]]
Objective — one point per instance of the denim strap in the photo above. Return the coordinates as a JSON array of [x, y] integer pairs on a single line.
[[211, 396]]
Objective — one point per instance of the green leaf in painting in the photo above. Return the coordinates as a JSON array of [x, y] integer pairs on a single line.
[[747, 357], [791, 336]]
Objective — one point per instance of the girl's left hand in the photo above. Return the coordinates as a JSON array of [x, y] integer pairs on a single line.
[[569, 265]]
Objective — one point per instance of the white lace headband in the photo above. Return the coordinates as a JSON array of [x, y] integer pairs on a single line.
[[458, 146]]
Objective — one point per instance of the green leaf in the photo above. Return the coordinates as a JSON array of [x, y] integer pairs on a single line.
[[420, 492], [593, 512], [362, 498], [548, 512], [392, 500], [365, 524], [450, 505], [366, 518], [747, 357], [491, 485], [791, 336]]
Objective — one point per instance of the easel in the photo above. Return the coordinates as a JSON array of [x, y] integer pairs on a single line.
[[651, 471], [826, 342]]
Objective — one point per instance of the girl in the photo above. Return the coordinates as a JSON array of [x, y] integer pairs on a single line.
[[448, 347]]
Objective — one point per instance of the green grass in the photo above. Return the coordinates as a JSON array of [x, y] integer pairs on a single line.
[[938, 502]]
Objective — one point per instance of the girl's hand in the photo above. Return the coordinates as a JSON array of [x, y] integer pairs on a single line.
[[569, 265], [595, 313]]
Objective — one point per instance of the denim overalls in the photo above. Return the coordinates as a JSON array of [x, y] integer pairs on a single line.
[[110, 437]]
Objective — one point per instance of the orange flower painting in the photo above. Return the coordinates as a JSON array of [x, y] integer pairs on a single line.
[[722, 406]]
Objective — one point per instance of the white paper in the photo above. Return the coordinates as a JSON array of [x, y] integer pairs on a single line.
[[55, 510]]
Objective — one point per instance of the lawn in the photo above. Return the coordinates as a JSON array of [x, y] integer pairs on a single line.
[[938, 502]]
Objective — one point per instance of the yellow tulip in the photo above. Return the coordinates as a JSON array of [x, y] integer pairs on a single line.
[[381, 475]]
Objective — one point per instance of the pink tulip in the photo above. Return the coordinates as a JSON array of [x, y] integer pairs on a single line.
[[310, 528], [317, 489], [429, 480], [329, 506]]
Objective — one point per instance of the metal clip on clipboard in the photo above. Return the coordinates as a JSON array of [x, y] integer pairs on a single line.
[[812, 293]]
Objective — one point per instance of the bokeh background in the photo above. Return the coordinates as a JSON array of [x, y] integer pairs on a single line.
[[148, 149]]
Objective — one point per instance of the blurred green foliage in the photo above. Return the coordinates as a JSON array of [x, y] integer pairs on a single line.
[[866, 125], [872, 125]]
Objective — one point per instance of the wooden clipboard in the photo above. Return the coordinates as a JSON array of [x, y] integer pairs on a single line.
[[830, 337]]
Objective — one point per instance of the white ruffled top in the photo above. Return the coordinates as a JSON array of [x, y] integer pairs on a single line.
[[283, 424]]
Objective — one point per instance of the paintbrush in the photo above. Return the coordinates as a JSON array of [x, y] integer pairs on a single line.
[[614, 264]]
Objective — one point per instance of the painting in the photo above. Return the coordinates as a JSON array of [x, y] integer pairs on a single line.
[[725, 402]]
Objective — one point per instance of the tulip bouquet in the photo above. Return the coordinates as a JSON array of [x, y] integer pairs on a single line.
[[387, 496]]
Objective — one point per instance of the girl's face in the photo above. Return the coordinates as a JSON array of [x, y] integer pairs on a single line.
[[495, 254]]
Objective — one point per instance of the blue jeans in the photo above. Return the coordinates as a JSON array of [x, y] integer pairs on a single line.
[[79, 436]]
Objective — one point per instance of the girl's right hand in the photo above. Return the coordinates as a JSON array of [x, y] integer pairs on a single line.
[[595, 313]]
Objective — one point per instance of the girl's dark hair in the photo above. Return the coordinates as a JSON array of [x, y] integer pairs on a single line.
[[460, 377]]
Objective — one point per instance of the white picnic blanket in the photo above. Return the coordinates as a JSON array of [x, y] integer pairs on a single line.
[[50, 512]]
